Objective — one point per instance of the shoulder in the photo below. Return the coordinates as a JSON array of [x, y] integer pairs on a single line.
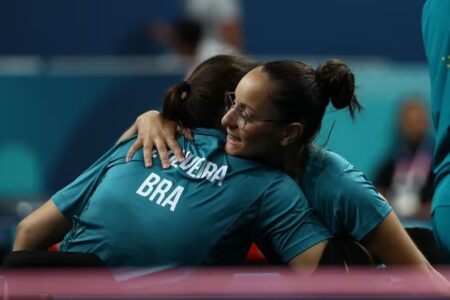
[[282, 189], [120, 149], [207, 137], [325, 162], [331, 173], [342, 195], [281, 179]]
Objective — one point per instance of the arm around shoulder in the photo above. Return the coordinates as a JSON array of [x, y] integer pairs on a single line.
[[154, 130]]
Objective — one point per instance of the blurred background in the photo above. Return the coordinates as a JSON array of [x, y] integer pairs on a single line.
[[75, 74]]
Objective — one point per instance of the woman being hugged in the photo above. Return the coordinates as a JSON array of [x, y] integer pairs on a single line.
[[194, 213]]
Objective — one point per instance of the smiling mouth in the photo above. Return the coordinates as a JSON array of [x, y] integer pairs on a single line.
[[232, 139]]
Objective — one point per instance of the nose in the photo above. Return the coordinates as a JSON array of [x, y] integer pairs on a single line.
[[229, 119]]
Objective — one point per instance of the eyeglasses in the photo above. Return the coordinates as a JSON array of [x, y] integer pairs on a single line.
[[240, 115]]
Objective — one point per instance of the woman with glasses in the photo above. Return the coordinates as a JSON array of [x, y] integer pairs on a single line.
[[205, 210], [274, 115]]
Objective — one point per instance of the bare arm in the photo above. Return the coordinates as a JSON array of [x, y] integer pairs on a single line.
[[307, 262], [390, 243], [41, 229]]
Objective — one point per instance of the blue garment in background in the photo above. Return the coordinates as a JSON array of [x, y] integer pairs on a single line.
[[436, 38]]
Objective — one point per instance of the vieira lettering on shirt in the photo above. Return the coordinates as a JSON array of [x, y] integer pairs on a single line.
[[198, 167]]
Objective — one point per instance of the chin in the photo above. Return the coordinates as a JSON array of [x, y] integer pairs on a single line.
[[231, 150]]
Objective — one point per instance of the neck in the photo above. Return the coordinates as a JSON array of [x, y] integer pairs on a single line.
[[292, 161]]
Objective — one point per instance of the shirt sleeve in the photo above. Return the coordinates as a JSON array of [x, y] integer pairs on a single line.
[[286, 225], [357, 204], [72, 199]]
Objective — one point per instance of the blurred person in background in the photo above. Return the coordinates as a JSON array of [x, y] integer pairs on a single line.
[[405, 178], [221, 26], [206, 28], [436, 38], [182, 37]]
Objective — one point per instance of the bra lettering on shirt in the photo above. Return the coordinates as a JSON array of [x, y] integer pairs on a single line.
[[162, 190]]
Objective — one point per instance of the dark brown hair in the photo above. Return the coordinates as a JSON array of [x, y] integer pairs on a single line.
[[199, 101], [302, 94]]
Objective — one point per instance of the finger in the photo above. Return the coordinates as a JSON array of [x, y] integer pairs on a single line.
[[178, 130], [148, 147], [162, 152], [175, 147], [188, 134], [135, 147]]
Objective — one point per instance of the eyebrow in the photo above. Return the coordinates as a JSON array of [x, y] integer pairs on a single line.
[[245, 106]]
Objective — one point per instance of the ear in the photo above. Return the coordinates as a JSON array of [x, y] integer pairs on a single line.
[[292, 133]]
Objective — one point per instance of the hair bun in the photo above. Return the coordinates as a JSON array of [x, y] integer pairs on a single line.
[[337, 82]]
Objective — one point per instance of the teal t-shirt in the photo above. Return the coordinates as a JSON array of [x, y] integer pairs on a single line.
[[205, 210], [436, 37], [344, 200]]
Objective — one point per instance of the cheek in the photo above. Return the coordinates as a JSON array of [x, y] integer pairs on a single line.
[[261, 139], [253, 137]]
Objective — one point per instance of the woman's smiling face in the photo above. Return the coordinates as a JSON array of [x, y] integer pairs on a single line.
[[258, 138]]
